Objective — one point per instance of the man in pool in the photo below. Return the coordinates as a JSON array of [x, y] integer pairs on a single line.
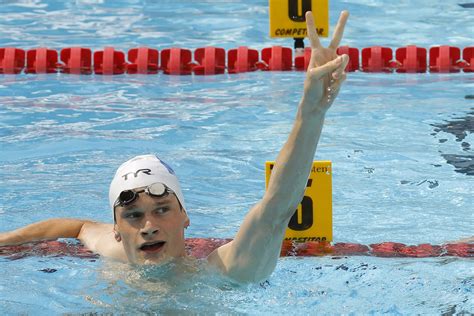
[[148, 206]]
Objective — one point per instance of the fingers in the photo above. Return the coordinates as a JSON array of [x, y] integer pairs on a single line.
[[336, 64], [333, 90], [336, 85], [339, 32], [340, 71], [312, 34]]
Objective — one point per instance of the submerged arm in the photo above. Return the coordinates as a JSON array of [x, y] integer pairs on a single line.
[[253, 254], [45, 230]]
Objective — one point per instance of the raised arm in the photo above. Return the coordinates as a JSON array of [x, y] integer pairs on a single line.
[[45, 230], [253, 254]]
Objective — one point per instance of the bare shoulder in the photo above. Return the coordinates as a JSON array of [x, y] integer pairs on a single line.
[[99, 238]]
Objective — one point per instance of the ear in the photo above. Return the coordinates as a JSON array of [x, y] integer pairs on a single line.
[[117, 236]]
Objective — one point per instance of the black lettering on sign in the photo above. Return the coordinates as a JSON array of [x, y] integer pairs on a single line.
[[306, 220], [319, 169], [296, 32], [305, 239], [293, 9]]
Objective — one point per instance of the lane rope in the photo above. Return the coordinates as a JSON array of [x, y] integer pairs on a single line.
[[214, 60], [202, 247]]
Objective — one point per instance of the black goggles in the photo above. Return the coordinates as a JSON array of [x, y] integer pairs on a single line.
[[128, 196]]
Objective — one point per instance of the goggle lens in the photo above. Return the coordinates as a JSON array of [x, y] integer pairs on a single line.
[[128, 196], [157, 189]]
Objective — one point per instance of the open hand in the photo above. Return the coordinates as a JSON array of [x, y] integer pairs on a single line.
[[325, 72]]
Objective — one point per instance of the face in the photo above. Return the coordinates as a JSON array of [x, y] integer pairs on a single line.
[[152, 228]]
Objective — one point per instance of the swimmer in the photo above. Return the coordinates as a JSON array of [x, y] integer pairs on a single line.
[[148, 207]]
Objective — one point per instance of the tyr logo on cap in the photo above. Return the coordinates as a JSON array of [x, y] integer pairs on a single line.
[[145, 171]]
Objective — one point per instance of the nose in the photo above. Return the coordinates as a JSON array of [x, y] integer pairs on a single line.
[[149, 229], [149, 232]]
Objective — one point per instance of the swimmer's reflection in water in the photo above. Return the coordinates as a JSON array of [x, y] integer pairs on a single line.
[[149, 211]]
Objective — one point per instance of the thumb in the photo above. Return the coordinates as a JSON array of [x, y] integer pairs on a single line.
[[327, 68]]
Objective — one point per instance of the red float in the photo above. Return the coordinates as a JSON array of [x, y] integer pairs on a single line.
[[41, 61], [176, 61], [77, 60], [242, 59], [109, 62], [143, 60], [12, 60], [376, 59], [444, 59], [211, 61], [468, 56], [277, 58], [411, 59]]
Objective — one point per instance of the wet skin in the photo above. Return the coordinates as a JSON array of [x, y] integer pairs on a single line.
[[151, 229]]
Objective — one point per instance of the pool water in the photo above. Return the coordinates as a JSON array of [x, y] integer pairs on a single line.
[[401, 148]]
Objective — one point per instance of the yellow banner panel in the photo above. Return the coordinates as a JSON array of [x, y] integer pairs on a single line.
[[287, 17], [312, 220]]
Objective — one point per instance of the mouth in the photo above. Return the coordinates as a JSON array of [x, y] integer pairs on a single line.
[[154, 246]]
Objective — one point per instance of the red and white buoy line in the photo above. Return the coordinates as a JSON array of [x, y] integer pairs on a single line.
[[215, 60], [201, 247]]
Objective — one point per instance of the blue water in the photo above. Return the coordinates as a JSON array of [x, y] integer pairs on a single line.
[[401, 148]]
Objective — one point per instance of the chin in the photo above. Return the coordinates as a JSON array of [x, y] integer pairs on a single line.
[[159, 260], [153, 259]]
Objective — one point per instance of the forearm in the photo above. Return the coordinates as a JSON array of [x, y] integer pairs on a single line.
[[293, 164], [44, 230]]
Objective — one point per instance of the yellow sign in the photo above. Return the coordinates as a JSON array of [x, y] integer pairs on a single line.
[[287, 17], [312, 220]]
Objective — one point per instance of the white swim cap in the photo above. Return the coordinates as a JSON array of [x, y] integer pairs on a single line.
[[142, 171]]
